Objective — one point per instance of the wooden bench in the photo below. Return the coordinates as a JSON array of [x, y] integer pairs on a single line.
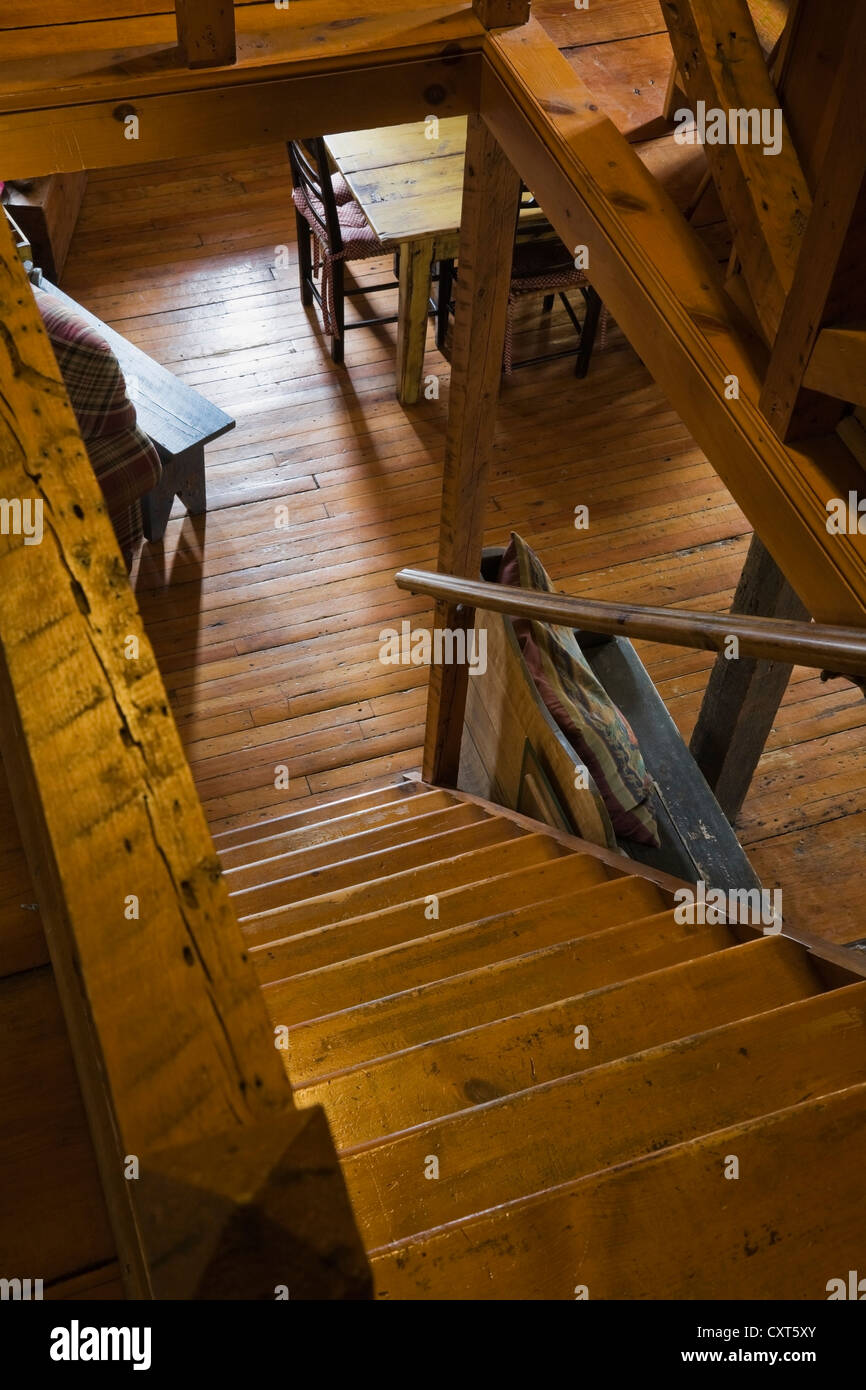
[[513, 752], [178, 419]]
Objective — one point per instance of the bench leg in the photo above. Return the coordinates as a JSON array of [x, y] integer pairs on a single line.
[[743, 696], [192, 489], [183, 476]]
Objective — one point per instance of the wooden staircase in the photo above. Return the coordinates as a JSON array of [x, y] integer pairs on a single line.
[[539, 1082]]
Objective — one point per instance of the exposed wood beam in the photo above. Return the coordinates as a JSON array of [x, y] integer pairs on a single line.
[[491, 195], [660, 284], [765, 196], [828, 279], [234, 117], [206, 32], [811, 51], [167, 1024]]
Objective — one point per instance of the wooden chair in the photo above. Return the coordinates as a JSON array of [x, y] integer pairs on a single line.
[[541, 262], [332, 230]]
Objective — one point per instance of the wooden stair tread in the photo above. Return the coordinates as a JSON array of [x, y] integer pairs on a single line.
[[571, 1127], [362, 978], [498, 1058], [495, 890], [495, 991], [758, 1234], [377, 895], [334, 854], [316, 815], [386, 864], [255, 850]]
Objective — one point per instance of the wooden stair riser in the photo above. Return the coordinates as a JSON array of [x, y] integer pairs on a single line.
[[370, 868], [670, 1226], [497, 1059], [338, 828], [542, 878], [362, 979], [335, 855], [380, 894], [435, 1011], [327, 811], [608, 1115]]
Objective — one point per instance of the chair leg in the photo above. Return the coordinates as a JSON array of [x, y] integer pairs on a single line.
[[338, 341], [547, 303], [305, 258], [587, 336], [443, 302]]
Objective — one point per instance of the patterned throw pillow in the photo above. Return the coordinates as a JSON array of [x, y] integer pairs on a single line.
[[596, 729]]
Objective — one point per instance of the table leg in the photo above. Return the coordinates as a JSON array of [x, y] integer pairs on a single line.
[[416, 258]]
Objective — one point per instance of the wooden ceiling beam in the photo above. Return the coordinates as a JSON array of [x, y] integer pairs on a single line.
[[239, 116], [755, 168]]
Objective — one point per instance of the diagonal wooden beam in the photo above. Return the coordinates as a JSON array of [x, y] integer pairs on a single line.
[[206, 32], [661, 285], [765, 195]]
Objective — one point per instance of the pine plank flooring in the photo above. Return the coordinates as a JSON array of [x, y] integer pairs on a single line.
[[265, 615], [268, 634]]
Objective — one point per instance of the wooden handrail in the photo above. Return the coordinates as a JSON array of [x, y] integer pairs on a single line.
[[841, 650]]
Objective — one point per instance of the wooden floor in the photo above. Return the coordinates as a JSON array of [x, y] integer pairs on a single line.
[[268, 633]]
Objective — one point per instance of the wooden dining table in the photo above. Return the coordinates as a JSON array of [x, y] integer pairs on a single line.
[[408, 179]]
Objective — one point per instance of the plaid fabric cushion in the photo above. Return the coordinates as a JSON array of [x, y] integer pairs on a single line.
[[124, 459], [597, 730]]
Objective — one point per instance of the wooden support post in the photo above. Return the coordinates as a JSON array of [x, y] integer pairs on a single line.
[[166, 1020], [491, 195], [206, 32], [501, 14], [743, 696]]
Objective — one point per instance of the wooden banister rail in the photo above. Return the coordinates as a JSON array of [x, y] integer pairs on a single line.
[[841, 650], [216, 1185]]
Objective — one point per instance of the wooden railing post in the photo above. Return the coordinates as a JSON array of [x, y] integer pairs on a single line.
[[206, 32], [491, 194], [174, 1050]]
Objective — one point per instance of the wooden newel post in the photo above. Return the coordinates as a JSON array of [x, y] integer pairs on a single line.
[[501, 14], [206, 32], [491, 194]]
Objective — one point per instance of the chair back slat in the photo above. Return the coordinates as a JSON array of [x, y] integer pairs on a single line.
[[311, 176]]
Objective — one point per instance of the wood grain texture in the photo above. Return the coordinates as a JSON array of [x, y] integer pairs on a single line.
[[762, 1234]]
